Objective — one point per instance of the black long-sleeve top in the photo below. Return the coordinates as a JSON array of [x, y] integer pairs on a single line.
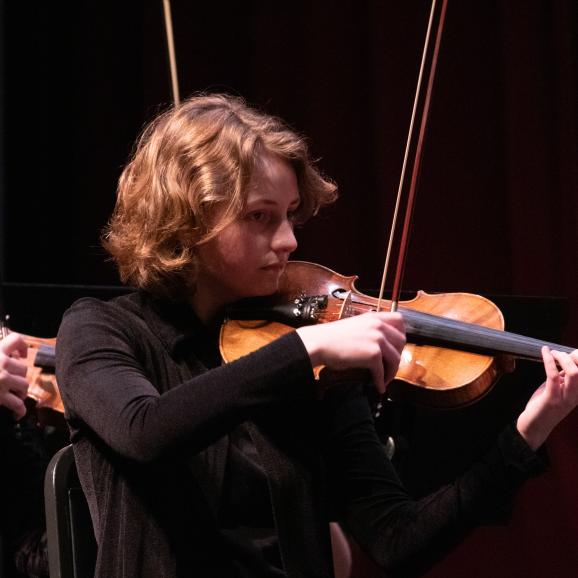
[[155, 427]]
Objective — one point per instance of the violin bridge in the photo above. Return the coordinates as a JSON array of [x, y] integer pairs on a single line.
[[347, 308]]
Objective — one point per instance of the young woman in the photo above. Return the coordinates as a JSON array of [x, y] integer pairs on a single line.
[[195, 468]]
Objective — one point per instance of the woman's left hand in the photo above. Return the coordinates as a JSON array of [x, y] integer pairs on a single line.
[[553, 400]]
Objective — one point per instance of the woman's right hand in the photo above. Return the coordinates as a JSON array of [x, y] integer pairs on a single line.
[[13, 384], [372, 341]]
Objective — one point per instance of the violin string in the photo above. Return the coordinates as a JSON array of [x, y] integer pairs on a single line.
[[472, 334], [478, 335]]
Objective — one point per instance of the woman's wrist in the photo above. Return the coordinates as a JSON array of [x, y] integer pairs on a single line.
[[533, 434], [310, 343]]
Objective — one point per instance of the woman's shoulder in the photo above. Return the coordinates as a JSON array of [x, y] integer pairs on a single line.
[[90, 313], [131, 303]]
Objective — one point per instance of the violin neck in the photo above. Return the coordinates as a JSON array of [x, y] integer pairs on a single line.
[[421, 328], [429, 329]]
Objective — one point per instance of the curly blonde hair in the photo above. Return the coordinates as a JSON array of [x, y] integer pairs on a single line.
[[191, 160]]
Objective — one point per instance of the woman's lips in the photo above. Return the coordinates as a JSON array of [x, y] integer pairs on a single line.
[[274, 267]]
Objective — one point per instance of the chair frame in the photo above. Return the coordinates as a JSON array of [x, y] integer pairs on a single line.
[[64, 538]]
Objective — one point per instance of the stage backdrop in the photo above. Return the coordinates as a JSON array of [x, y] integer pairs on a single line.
[[497, 210]]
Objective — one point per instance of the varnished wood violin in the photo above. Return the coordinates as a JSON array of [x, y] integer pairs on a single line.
[[457, 347], [42, 387]]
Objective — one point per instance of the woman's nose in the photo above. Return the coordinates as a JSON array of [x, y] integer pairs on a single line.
[[284, 239]]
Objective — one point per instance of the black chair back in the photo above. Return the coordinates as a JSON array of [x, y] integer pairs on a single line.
[[71, 542]]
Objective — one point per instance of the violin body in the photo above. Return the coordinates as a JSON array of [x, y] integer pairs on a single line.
[[429, 375], [42, 385]]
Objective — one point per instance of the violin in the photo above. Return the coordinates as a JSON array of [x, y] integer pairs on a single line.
[[40, 361], [457, 347]]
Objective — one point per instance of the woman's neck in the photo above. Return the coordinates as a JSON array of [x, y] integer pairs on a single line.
[[207, 306]]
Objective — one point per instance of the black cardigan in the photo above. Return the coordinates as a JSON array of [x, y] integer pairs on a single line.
[[150, 426]]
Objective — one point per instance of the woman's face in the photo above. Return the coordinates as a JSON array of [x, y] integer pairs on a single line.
[[248, 257]]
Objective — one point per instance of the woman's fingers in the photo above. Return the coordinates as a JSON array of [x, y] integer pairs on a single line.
[[552, 372], [390, 356], [553, 400], [568, 374], [567, 363], [394, 344], [372, 341], [378, 375]]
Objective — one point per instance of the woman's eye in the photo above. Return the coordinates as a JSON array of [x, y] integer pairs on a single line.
[[257, 216]]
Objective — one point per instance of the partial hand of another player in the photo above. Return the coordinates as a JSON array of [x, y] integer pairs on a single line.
[[13, 384]]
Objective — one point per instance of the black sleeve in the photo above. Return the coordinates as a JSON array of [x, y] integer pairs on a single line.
[[397, 531], [105, 386]]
